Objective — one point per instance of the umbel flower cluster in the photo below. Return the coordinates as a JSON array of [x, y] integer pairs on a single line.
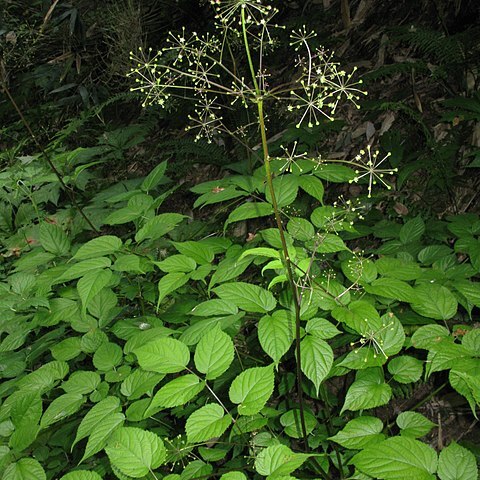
[[228, 69]]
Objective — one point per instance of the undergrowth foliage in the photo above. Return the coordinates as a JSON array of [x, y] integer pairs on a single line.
[[162, 349]]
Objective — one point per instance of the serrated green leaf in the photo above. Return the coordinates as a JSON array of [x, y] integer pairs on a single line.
[[359, 433], [214, 353], [81, 475], [169, 283], [63, 406], [199, 251], [26, 409], [316, 359], [434, 301], [392, 288], [123, 215], [369, 390], [177, 263], [214, 307], [249, 210], [251, 389], [90, 284], [398, 458], [218, 194], [246, 296], [300, 229], [233, 476], [398, 268], [163, 355], [139, 382], [54, 239], [312, 185], [154, 178], [99, 247], [359, 270], [81, 382], [276, 333], [292, 424], [278, 461], [107, 356], [413, 424], [206, 423], [24, 469], [334, 173], [321, 328], [135, 452], [80, 269], [329, 243], [412, 231], [158, 226], [457, 463], [405, 369], [429, 335], [261, 252], [285, 188]]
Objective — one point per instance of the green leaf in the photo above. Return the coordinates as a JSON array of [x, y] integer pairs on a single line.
[[291, 423], [82, 382], [435, 301], [176, 392], [24, 469], [177, 263], [246, 296], [154, 178], [249, 210], [81, 475], [139, 382], [316, 359], [62, 407], [261, 252], [206, 423], [214, 353], [359, 270], [321, 328], [163, 355], [101, 433], [233, 476], [107, 356], [26, 409], [95, 416], [82, 268], [276, 333], [300, 229], [135, 452], [99, 247], [312, 185], [329, 243], [90, 284], [278, 461], [131, 264], [218, 194], [359, 433], [405, 369], [392, 288], [200, 251], [123, 215], [398, 268], [54, 239], [251, 389], [169, 283], [334, 173], [369, 390], [214, 307], [398, 458], [285, 188], [413, 424], [428, 336], [457, 463], [158, 226], [412, 231]]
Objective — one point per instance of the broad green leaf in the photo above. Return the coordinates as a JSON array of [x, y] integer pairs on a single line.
[[132, 264], [444, 355], [154, 178], [176, 392], [139, 382], [81, 475], [285, 188], [392, 288], [214, 353], [334, 173], [398, 268], [291, 423], [26, 409], [135, 452], [261, 252], [369, 390], [359, 270], [434, 301], [169, 283], [101, 433], [405, 369], [312, 185], [24, 469], [251, 389], [214, 307], [321, 328], [398, 458], [177, 263], [430, 254], [81, 382], [163, 355], [233, 476], [413, 424], [316, 358], [107, 356], [246, 296], [218, 194], [300, 229], [90, 284], [428, 336], [206, 423], [457, 463], [412, 231], [229, 268], [63, 406], [96, 415], [99, 247], [278, 461], [158, 226], [80, 269], [471, 341], [359, 433], [249, 210], [276, 333], [329, 243], [123, 215], [54, 239], [200, 251], [196, 470]]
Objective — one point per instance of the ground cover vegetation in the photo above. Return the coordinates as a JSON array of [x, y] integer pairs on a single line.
[[230, 252]]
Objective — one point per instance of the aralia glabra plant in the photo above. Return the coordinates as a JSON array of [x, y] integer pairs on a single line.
[[229, 69]]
